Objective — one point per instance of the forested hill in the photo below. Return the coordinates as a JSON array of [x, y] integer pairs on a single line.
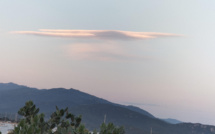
[[93, 110]]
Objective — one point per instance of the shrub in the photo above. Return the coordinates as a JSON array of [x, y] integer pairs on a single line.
[[60, 122]]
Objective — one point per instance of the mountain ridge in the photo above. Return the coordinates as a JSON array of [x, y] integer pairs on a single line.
[[93, 109]]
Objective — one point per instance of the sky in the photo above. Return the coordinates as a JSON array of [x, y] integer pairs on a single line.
[[157, 55]]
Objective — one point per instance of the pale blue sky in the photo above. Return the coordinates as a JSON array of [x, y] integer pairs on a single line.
[[175, 75]]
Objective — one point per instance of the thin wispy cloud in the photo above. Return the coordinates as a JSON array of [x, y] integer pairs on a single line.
[[97, 34], [109, 50], [100, 52]]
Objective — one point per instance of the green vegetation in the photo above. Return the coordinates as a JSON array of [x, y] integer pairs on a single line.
[[111, 129], [60, 122]]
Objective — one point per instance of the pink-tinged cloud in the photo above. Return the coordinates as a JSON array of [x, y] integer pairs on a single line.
[[100, 52], [98, 34]]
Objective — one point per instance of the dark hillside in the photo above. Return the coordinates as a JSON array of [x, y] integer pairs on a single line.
[[93, 110]]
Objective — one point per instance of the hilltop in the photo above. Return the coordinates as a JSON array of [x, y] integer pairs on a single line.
[[93, 109]]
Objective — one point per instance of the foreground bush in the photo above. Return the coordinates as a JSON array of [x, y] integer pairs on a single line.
[[111, 129], [60, 122]]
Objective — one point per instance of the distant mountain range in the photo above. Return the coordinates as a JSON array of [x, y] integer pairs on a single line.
[[172, 121], [93, 110]]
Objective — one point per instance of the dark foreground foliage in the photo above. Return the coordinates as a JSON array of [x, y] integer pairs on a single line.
[[60, 122]]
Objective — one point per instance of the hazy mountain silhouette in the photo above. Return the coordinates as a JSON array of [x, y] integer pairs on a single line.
[[172, 121], [93, 110]]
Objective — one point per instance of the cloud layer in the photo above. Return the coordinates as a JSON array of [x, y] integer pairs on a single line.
[[98, 34], [100, 52], [107, 50]]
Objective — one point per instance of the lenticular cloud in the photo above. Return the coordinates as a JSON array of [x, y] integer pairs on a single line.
[[98, 34]]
